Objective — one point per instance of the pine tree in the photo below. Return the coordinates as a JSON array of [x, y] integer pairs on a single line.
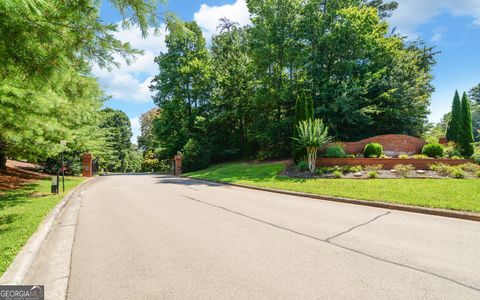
[[454, 129], [467, 128]]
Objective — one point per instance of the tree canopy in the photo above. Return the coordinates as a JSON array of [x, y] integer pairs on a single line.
[[237, 99], [47, 93]]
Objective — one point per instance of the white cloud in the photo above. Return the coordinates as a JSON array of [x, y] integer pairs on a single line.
[[135, 122], [208, 17], [130, 83], [437, 37], [412, 13]]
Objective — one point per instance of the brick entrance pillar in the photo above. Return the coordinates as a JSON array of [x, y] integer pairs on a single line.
[[178, 164], [443, 141], [87, 164]]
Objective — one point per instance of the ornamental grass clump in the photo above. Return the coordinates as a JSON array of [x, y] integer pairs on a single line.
[[302, 166], [312, 135], [337, 174], [335, 151], [403, 170], [373, 167], [373, 150], [457, 172], [470, 167]]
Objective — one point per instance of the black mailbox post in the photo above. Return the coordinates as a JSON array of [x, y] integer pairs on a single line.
[[54, 188]]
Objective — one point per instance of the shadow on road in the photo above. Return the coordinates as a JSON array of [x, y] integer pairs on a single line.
[[169, 179]]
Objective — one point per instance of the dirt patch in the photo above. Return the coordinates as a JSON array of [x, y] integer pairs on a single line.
[[18, 174]]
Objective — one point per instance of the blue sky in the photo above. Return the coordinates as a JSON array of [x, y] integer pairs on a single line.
[[453, 26]]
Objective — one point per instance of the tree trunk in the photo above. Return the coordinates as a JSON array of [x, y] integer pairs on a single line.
[[3, 156], [312, 158]]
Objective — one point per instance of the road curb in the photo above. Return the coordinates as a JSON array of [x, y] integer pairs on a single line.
[[19, 268], [379, 204]]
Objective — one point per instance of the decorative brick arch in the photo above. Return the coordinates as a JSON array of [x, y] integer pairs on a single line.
[[393, 144]]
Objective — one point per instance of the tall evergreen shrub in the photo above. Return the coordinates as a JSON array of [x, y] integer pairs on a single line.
[[454, 129], [466, 137]]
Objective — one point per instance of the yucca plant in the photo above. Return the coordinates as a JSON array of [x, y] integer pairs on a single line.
[[312, 135]]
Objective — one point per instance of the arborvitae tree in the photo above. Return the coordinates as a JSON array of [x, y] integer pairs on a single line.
[[300, 111], [309, 107], [300, 115], [454, 129], [467, 128]]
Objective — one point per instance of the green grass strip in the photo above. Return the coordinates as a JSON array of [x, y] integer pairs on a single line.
[[22, 211], [455, 194]]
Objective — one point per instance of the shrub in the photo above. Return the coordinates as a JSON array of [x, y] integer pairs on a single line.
[[445, 170], [403, 156], [196, 155], [433, 150], [324, 170], [420, 156], [353, 169], [456, 172], [478, 174], [372, 174], [403, 170], [337, 174], [373, 150], [470, 167], [373, 167], [451, 150], [440, 168], [350, 155], [302, 166], [476, 158], [335, 151]]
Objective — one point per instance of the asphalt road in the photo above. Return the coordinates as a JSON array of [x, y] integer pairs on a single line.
[[160, 237]]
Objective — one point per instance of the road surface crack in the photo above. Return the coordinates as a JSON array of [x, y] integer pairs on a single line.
[[356, 226], [327, 241]]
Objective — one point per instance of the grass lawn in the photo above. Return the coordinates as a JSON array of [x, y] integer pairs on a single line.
[[456, 194], [21, 212]]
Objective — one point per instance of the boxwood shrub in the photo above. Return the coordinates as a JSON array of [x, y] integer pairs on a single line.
[[433, 150], [373, 150]]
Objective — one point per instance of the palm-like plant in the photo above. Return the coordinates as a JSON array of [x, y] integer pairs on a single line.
[[312, 135]]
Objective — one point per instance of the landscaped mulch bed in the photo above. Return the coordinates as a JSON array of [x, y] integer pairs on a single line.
[[291, 171]]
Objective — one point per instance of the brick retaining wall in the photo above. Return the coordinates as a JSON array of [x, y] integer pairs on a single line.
[[388, 163], [393, 144]]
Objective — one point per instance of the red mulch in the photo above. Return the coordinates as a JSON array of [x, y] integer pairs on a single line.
[[19, 173]]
